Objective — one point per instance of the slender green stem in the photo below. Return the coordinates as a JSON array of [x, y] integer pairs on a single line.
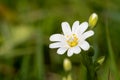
[[87, 61]]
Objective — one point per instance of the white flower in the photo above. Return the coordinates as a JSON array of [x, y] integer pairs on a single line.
[[72, 40]]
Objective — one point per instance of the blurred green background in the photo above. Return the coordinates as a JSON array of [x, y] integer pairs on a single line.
[[25, 27]]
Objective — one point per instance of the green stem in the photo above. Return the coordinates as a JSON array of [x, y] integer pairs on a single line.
[[87, 61]]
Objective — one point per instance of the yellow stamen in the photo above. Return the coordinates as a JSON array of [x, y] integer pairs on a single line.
[[72, 40]]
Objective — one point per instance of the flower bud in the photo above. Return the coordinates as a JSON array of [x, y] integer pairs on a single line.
[[64, 78], [69, 77], [101, 60], [67, 64], [93, 20]]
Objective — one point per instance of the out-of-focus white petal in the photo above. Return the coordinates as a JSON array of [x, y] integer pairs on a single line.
[[66, 28], [76, 50], [62, 50], [87, 34], [69, 52], [57, 37], [75, 26], [82, 27], [56, 45], [84, 45]]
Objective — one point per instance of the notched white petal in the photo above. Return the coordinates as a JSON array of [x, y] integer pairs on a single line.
[[66, 28], [85, 45], [57, 37], [55, 45], [61, 50], [75, 26], [76, 50], [82, 27], [70, 52], [88, 34]]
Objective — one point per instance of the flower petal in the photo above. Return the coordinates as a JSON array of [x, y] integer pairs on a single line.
[[82, 27], [66, 28], [87, 34], [84, 45], [56, 45], [61, 50], [75, 26], [70, 52], [57, 37], [76, 50]]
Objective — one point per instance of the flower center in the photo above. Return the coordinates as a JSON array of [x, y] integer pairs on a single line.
[[72, 40]]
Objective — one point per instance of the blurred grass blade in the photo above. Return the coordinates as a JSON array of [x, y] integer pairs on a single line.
[[39, 65], [112, 63], [25, 67]]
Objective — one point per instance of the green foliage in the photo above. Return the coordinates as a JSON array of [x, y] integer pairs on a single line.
[[25, 27]]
